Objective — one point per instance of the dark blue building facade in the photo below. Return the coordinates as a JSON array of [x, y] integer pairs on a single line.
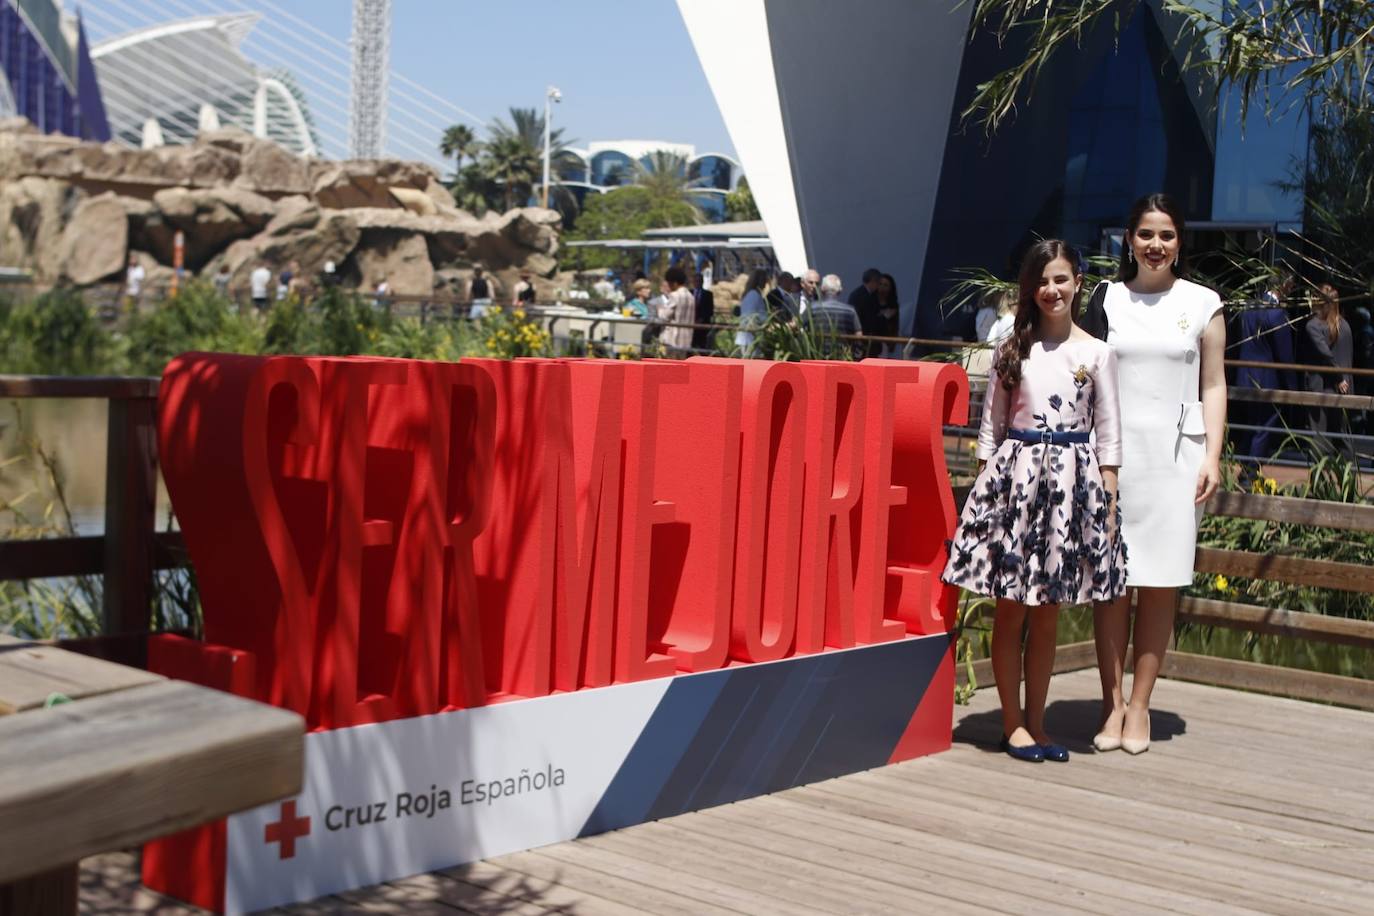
[[48, 72], [1118, 118]]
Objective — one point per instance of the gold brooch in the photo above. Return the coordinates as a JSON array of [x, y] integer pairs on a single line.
[[1080, 375], [1183, 323]]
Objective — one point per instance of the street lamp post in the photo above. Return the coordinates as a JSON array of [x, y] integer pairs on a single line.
[[551, 96]]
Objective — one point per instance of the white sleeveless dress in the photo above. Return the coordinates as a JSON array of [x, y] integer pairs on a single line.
[[1158, 339]]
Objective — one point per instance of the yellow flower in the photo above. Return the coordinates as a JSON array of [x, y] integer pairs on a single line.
[[519, 314], [1271, 485], [1221, 583]]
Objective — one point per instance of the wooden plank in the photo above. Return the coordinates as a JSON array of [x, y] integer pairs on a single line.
[[1146, 869], [130, 516], [1301, 398], [1349, 577], [1299, 624], [826, 851], [694, 896], [468, 897], [1299, 367], [1211, 849], [76, 386], [537, 888], [608, 888], [774, 874], [52, 893], [1293, 510], [933, 860], [1072, 656], [1285, 682], [1234, 862], [79, 556], [116, 770], [30, 673]]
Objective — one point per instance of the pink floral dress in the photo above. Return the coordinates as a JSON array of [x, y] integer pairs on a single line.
[[1035, 526]]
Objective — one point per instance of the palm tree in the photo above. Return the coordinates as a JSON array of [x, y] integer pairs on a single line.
[[664, 175], [513, 165], [527, 126], [458, 141]]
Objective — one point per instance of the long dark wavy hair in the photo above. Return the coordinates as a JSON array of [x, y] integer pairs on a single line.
[[1017, 346], [1127, 268]]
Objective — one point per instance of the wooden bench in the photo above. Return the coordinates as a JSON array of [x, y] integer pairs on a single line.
[[97, 757]]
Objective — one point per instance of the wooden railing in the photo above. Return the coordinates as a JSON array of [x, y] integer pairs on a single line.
[[1326, 574], [130, 549]]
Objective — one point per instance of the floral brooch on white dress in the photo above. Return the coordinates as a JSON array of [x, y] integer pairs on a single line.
[[1184, 324]]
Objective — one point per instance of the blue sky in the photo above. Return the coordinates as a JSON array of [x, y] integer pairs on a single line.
[[626, 68]]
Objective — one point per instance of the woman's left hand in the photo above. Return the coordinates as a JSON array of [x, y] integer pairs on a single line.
[[1208, 480]]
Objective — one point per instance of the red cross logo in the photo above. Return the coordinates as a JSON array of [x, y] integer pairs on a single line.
[[287, 830]]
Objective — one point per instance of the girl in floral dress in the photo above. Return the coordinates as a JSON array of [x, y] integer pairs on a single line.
[[1039, 528]]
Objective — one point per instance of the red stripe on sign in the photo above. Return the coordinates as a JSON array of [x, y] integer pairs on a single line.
[[932, 723]]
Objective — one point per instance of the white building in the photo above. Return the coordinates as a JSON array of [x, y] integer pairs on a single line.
[[604, 165], [163, 83]]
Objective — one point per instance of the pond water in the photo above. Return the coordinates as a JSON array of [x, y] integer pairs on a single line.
[[71, 433]]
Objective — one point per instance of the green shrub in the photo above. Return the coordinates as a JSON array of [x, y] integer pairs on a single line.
[[408, 338], [291, 328], [56, 334], [349, 324], [197, 318]]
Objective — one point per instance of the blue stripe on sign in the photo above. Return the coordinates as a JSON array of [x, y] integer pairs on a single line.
[[670, 729], [739, 732]]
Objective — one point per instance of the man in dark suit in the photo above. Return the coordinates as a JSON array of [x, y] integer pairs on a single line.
[[1265, 336], [864, 300], [705, 313], [782, 301]]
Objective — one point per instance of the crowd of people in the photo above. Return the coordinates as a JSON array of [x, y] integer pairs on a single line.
[[1285, 326]]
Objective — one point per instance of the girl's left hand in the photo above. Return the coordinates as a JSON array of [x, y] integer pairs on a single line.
[[1208, 480]]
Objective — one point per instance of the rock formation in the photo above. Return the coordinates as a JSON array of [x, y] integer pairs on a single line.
[[72, 211]]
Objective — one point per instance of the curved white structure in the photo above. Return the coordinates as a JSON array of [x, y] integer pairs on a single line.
[[184, 75], [826, 102]]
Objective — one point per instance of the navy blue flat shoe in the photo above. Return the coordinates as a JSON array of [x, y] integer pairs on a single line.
[[1056, 752], [1031, 753]]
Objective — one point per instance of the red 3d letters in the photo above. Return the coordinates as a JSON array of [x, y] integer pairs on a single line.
[[378, 539]]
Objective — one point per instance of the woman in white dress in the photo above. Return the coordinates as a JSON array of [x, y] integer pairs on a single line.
[[1170, 337]]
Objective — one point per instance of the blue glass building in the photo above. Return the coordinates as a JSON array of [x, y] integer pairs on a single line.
[[604, 166], [46, 73]]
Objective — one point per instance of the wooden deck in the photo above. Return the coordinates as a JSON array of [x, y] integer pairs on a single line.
[[1244, 803]]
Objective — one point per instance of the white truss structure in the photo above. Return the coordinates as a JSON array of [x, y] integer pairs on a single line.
[[163, 83], [371, 45], [316, 66]]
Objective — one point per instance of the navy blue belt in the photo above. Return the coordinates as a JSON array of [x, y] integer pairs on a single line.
[[1046, 436]]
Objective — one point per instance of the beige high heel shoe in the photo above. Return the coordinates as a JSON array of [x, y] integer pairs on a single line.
[[1135, 745], [1105, 742]]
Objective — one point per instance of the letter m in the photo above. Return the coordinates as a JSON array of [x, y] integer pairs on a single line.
[[580, 516]]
